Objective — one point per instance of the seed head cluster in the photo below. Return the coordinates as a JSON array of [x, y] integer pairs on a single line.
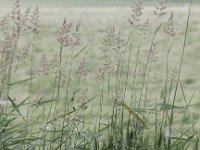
[[67, 36]]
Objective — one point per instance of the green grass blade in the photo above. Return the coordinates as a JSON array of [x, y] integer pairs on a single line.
[[132, 112], [76, 55], [21, 81]]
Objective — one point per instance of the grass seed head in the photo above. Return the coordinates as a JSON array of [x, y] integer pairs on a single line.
[[140, 25], [160, 9], [82, 72], [67, 37], [113, 40], [169, 27], [44, 68]]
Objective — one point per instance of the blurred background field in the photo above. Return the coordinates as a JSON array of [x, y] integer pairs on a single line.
[[69, 3]]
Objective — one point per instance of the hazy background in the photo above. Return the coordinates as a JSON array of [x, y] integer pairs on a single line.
[[69, 3]]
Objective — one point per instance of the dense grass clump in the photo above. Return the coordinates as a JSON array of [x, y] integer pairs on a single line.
[[67, 102]]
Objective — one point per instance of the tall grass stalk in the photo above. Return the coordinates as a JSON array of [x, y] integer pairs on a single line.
[[181, 62]]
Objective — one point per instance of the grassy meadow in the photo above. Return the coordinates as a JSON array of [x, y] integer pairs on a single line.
[[108, 85]]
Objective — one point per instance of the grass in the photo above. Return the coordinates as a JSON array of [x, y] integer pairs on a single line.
[[131, 108]]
